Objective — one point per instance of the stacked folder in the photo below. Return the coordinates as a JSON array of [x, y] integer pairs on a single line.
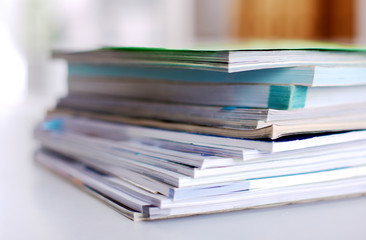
[[160, 133]]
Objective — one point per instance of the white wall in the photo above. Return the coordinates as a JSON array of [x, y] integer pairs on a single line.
[[361, 21], [13, 70], [213, 19]]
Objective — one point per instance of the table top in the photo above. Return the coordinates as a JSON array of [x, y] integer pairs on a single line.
[[36, 204]]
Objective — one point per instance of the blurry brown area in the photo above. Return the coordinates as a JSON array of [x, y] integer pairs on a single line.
[[295, 19]]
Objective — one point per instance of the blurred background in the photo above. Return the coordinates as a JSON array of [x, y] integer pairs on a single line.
[[30, 29]]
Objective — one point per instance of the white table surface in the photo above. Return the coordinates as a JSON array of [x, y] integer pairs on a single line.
[[35, 204]]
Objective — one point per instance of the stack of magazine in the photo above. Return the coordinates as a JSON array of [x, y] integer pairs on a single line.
[[161, 133]]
